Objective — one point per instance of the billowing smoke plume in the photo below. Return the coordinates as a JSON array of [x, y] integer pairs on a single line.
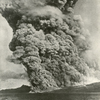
[[49, 41]]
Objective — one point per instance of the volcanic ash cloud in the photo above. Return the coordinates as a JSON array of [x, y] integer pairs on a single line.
[[48, 40]]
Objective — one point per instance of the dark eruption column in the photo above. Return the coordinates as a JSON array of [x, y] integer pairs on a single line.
[[48, 43]]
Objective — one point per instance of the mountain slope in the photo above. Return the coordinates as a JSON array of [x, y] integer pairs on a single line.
[[95, 87], [22, 89]]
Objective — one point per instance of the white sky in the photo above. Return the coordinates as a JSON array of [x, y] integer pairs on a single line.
[[90, 12], [5, 66]]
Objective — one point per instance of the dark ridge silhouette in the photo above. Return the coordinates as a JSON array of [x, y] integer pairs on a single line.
[[22, 89], [94, 87]]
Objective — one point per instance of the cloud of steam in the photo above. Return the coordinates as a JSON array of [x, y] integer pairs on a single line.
[[12, 75], [50, 45], [92, 22]]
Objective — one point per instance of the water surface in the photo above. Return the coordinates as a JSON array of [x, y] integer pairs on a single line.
[[51, 96]]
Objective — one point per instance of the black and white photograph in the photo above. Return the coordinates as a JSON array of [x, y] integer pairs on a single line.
[[49, 49]]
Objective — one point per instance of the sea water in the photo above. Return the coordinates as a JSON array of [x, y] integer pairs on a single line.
[[50, 96]]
